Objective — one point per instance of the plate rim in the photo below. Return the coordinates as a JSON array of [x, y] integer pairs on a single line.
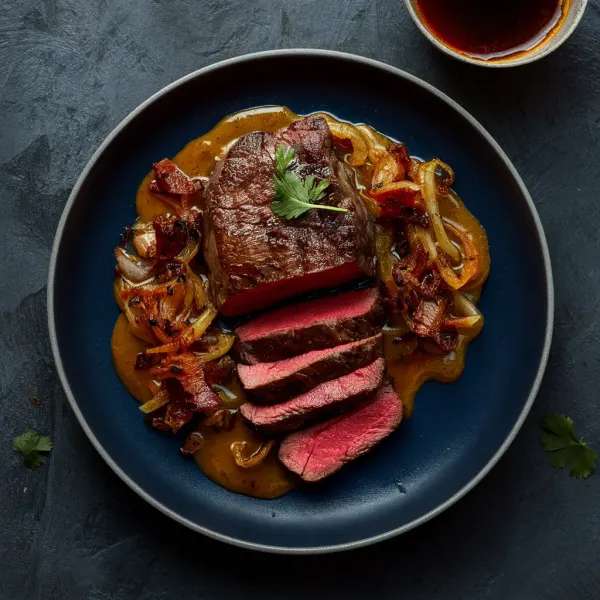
[[310, 53]]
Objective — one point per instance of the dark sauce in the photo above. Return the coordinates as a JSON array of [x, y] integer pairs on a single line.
[[492, 29]]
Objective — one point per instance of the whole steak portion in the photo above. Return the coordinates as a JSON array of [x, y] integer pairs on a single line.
[[256, 258]]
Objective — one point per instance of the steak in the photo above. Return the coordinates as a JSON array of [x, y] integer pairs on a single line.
[[327, 399], [256, 258], [270, 383], [323, 449], [312, 325]]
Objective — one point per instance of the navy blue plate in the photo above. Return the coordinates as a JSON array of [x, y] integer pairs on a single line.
[[457, 432]]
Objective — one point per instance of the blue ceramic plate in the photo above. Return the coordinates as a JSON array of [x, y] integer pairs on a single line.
[[456, 433]]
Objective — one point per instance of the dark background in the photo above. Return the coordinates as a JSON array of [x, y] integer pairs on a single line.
[[69, 72]]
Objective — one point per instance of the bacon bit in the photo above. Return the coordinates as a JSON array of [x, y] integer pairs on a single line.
[[428, 317], [172, 235], [395, 198], [177, 415], [402, 158], [188, 369], [143, 361], [170, 179], [446, 338], [342, 145]]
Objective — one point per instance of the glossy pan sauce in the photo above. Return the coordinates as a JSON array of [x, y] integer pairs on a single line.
[[409, 371]]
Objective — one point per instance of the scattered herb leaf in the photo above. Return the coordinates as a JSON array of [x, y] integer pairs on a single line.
[[564, 447], [30, 444], [295, 196]]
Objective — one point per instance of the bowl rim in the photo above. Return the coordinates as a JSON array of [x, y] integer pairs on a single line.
[[315, 54], [562, 35]]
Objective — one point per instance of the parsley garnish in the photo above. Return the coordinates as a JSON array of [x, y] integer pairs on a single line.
[[295, 196], [565, 448], [30, 444]]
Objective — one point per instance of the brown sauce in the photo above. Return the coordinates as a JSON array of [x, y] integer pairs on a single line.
[[494, 29], [270, 479]]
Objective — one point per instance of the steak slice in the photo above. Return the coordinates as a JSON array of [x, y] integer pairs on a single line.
[[327, 399], [256, 258], [322, 449], [312, 325], [269, 383]]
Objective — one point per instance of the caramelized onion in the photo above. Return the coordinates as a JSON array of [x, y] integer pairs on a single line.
[[246, 462], [386, 171], [376, 143], [193, 443], [458, 277], [221, 347], [198, 327], [189, 252], [360, 148], [140, 331], [465, 306], [221, 420], [157, 402], [427, 180], [133, 269], [463, 322], [371, 205]]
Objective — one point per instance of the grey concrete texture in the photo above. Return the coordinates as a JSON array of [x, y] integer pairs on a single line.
[[69, 72]]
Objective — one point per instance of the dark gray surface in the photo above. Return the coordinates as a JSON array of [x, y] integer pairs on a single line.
[[69, 72]]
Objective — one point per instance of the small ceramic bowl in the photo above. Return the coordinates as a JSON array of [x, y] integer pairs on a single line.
[[575, 11]]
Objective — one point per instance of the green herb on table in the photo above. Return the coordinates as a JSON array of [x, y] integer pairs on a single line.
[[295, 196], [30, 445], [565, 448]]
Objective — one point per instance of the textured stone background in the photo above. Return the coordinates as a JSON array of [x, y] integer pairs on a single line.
[[69, 72]]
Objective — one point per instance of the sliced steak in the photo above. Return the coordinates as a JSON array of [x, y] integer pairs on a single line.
[[269, 383], [256, 258], [312, 325], [322, 449], [327, 399]]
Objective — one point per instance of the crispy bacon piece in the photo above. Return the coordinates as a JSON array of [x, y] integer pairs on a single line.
[[429, 317], [188, 369], [171, 417], [172, 235], [401, 199], [402, 158], [423, 295], [343, 146], [170, 179]]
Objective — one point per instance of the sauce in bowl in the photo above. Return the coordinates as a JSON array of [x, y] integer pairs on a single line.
[[493, 30]]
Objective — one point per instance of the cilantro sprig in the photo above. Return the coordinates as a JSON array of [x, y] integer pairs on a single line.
[[295, 196], [564, 447], [30, 444]]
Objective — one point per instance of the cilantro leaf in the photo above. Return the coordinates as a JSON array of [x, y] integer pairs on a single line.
[[564, 447], [295, 196], [30, 444]]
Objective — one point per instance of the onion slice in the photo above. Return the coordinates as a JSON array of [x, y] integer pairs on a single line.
[[133, 269], [428, 189], [457, 278], [198, 327], [360, 148], [246, 462], [157, 402], [222, 346]]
